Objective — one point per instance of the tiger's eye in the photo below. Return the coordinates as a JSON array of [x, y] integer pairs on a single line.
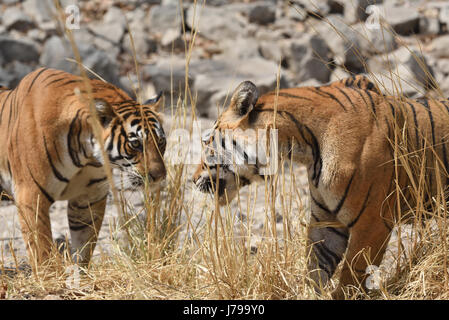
[[135, 144]]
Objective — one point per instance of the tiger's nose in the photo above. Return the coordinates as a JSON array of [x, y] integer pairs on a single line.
[[156, 175]]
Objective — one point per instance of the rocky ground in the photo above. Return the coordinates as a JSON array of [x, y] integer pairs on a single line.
[[305, 42]]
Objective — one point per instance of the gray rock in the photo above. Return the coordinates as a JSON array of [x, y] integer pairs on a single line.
[[216, 79], [114, 16], [23, 50], [240, 48], [173, 40], [108, 37], [56, 50], [307, 57], [316, 8], [100, 62], [40, 10], [216, 23], [142, 44], [443, 66], [167, 75], [136, 19], [14, 18], [344, 41], [374, 41], [429, 26], [439, 47], [17, 70], [270, 52], [5, 78], [54, 54], [163, 17], [405, 67], [403, 20], [262, 13], [37, 35], [444, 14], [339, 74], [355, 10]]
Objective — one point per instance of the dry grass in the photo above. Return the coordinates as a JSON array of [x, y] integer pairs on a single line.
[[173, 256]]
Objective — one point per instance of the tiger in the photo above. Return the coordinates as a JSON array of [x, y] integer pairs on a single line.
[[51, 152], [344, 133]]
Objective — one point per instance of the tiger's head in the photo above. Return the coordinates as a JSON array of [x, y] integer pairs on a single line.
[[134, 140], [232, 156]]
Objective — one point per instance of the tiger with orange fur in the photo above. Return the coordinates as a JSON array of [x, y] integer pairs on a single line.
[[50, 152], [345, 133]]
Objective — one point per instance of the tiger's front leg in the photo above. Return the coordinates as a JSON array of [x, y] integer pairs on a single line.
[[85, 219], [327, 244], [33, 209]]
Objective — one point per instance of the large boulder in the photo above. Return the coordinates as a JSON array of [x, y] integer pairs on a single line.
[[163, 17], [22, 49], [215, 80], [14, 18], [216, 23], [56, 51], [403, 71], [404, 20], [307, 56], [355, 10], [344, 42]]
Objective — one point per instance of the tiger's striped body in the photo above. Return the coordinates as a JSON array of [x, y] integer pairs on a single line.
[[50, 153], [344, 134]]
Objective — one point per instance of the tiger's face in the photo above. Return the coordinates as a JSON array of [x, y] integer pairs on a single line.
[[231, 159], [134, 141]]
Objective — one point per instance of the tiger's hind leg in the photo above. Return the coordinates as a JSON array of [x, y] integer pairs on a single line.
[[327, 245], [33, 209], [85, 221]]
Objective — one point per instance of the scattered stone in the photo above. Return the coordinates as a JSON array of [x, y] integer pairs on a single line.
[[14, 18], [355, 10], [240, 48], [344, 42], [439, 47], [22, 50], [215, 23], [374, 41], [56, 51], [307, 57], [316, 8], [17, 70], [163, 17], [54, 54], [215, 80], [406, 68], [403, 20], [40, 10], [262, 13], [142, 44], [173, 40], [429, 26], [167, 74]]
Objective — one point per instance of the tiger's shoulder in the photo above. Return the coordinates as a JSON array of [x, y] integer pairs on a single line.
[[359, 81]]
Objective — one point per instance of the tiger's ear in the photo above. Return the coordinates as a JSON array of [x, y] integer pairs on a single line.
[[244, 98], [155, 102], [105, 112]]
